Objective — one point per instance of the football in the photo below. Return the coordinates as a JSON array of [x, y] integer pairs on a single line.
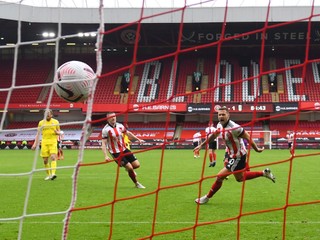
[[73, 81]]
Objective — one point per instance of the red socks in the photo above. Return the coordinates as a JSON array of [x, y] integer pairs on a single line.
[[215, 187], [247, 176], [251, 175]]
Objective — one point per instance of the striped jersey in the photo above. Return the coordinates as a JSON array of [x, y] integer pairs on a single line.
[[114, 136], [230, 134], [209, 131], [290, 137], [197, 137]]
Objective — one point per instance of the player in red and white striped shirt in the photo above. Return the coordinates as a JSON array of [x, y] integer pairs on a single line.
[[113, 141], [60, 151], [197, 139], [212, 145], [233, 135], [290, 138]]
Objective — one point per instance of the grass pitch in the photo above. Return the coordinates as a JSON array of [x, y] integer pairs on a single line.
[[108, 206]]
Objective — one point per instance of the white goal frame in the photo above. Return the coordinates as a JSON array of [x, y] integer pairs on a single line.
[[267, 136]]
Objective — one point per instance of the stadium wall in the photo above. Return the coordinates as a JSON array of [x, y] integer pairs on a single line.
[[194, 14]]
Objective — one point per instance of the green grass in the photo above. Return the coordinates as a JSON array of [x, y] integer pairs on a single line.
[[173, 181]]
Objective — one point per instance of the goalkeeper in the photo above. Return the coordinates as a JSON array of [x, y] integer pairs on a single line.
[[49, 129]]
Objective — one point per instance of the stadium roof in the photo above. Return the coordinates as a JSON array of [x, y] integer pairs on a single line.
[[158, 3], [124, 11], [245, 17]]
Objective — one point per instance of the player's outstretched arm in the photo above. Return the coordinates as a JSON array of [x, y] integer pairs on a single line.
[[134, 137], [245, 135], [208, 139]]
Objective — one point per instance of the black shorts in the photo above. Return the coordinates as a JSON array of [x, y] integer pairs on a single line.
[[127, 158], [236, 164], [289, 144], [195, 144], [213, 145]]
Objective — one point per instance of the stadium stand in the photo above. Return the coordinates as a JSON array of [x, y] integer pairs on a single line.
[[153, 130], [307, 133], [19, 125], [28, 73], [34, 124], [234, 91]]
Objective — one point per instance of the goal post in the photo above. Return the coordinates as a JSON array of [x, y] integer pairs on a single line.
[[262, 138]]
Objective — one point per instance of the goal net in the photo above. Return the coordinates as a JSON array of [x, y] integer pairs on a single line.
[[164, 71]]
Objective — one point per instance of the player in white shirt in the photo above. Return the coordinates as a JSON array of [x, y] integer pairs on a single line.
[[212, 144], [233, 135], [290, 139], [197, 140], [113, 141]]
